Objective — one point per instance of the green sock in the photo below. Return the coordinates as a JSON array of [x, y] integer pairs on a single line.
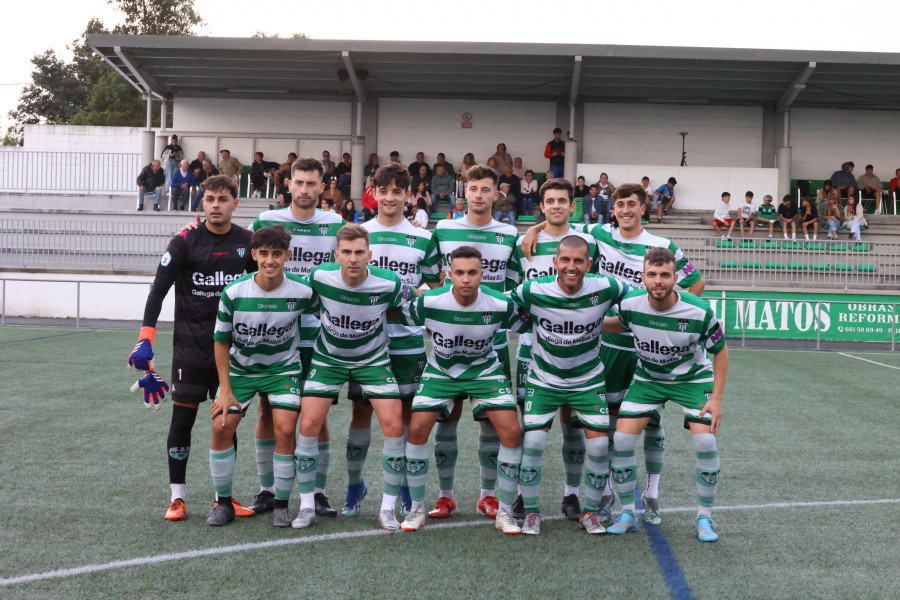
[[322, 467], [264, 451], [707, 468], [284, 474], [306, 457], [624, 468], [508, 460], [221, 467], [654, 449], [488, 447], [393, 463], [530, 471], [417, 456], [596, 473], [358, 441], [446, 450], [573, 448]]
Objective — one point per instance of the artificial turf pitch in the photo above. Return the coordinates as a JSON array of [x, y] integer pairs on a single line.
[[83, 483]]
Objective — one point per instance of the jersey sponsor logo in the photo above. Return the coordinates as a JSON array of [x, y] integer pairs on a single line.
[[298, 254], [682, 324], [400, 268], [461, 341], [224, 253], [263, 329], [533, 273], [241, 252], [465, 320], [217, 279], [619, 270], [659, 324], [654, 347], [323, 229], [166, 259], [348, 322], [494, 265], [569, 327]]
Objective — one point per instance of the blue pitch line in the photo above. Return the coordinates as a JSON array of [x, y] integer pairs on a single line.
[[665, 558], [47, 337]]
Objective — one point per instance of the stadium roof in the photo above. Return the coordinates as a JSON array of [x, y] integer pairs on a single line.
[[169, 67]]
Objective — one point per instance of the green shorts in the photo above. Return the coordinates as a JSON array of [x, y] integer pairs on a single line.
[[438, 393], [407, 369], [589, 408], [326, 381], [503, 357], [647, 398], [283, 390], [521, 379], [618, 369]]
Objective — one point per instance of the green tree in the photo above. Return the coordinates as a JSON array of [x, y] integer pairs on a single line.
[[157, 17], [262, 35], [113, 102]]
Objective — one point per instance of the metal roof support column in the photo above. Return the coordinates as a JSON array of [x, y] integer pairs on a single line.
[[358, 142], [571, 143], [147, 139], [163, 109], [783, 154]]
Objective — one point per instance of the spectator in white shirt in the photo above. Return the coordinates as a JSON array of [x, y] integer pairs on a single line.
[[722, 216]]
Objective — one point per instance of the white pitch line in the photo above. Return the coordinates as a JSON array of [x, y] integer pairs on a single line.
[[160, 558], [869, 361]]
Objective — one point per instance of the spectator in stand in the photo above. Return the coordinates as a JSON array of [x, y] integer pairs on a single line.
[[505, 205], [722, 216], [518, 169], [327, 205], [593, 206], [747, 214], [197, 164], [605, 187], [515, 186], [832, 217], [824, 196], [284, 169], [333, 193], [648, 203], [171, 155], [809, 218], [787, 214], [409, 205], [206, 171], [369, 204], [871, 187], [665, 198], [448, 168], [459, 212], [555, 150], [529, 191], [844, 181], [327, 166], [492, 165], [467, 163], [443, 186], [395, 158], [260, 172], [420, 191], [502, 159], [421, 176], [416, 167], [230, 167], [371, 166], [182, 181], [420, 219], [151, 179], [581, 190], [342, 174], [894, 183], [767, 215], [348, 211], [854, 215], [284, 194]]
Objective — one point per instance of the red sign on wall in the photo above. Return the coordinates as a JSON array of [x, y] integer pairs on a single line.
[[467, 120]]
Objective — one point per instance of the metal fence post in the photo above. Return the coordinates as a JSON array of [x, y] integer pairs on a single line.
[[77, 304], [3, 307], [818, 327], [893, 322]]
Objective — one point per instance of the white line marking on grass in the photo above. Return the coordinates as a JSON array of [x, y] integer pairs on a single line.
[[869, 361], [824, 351], [161, 558]]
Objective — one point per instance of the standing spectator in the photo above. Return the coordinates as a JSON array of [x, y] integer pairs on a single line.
[[515, 185], [529, 193], [369, 204], [809, 218], [665, 195], [260, 171], [787, 214], [348, 212], [333, 193], [555, 150], [844, 181], [230, 167], [832, 217], [503, 159], [284, 170], [371, 166], [151, 179], [854, 216], [182, 180], [197, 164], [505, 205], [722, 216], [206, 171], [767, 214], [459, 212], [747, 214], [327, 166], [443, 186], [420, 219], [342, 174], [171, 155], [518, 169], [871, 187], [416, 167], [824, 196], [593, 206], [581, 190]]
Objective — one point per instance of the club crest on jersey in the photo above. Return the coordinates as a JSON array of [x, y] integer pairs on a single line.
[[291, 305], [527, 475], [373, 299], [500, 238], [241, 252], [410, 240], [486, 317], [323, 229], [594, 299], [682, 324]]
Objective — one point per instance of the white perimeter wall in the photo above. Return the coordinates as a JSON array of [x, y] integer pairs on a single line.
[[410, 125], [78, 138], [261, 116], [718, 136], [822, 139]]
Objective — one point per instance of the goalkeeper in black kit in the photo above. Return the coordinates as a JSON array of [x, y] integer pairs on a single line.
[[200, 262]]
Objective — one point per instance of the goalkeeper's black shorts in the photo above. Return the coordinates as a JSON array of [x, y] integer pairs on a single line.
[[193, 385]]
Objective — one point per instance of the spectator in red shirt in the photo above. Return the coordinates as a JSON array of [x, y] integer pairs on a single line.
[[369, 204]]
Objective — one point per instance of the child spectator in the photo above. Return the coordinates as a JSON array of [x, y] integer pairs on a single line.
[[348, 212], [369, 204], [581, 189], [326, 205], [853, 214], [459, 212], [722, 216], [747, 214], [665, 195], [492, 165], [420, 191], [809, 218], [787, 214], [421, 217], [767, 214], [832, 216]]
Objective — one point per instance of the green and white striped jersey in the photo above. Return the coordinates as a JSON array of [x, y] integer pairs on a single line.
[[312, 244], [353, 330], [671, 346], [541, 264], [462, 336], [566, 327], [411, 253], [262, 326], [623, 259]]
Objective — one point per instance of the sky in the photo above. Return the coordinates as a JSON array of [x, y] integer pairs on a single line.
[[791, 24]]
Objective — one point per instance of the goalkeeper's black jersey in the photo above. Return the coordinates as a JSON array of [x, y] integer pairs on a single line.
[[200, 264]]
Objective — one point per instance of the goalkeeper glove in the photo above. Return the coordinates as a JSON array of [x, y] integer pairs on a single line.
[[142, 354], [155, 388]]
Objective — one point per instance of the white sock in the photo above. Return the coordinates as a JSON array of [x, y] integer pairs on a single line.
[[704, 511], [270, 489], [446, 494], [571, 489], [485, 493], [505, 507], [417, 504], [177, 491], [653, 485], [388, 502], [318, 490], [308, 500]]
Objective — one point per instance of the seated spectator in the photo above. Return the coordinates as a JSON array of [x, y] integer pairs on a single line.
[[151, 180], [665, 198], [342, 174], [327, 205], [409, 205], [420, 191], [284, 169], [421, 176], [809, 219], [529, 192], [832, 217], [824, 196], [518, 169], [747, 214], [767, 215], [230, 167], [327, 166], [416, 167], [182, 181], [348, 211], [581, 190], [459, 212], [505, 205], [467, 163], [284, 194], [206, 171], [605, 187], [371, 166], [515, 186], [854, 215], [443, 186], [420, 219], [260, 172], [844, 181], [502, 159], [787, 215], [448, 168], [369, 203], [722, 216], [895, 182], [593, 206], [333, 193], [395, 157], [555, 150], [492, 165], [197, 163], [648, 203], [871, 187]]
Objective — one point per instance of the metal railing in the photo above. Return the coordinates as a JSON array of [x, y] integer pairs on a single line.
[[43, 171]]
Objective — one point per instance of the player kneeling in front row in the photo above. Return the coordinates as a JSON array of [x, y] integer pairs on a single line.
[[461, 320], [673, 331], [566, 312], [257, 351]]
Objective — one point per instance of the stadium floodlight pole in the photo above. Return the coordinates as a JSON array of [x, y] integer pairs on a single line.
[[683, 135]]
